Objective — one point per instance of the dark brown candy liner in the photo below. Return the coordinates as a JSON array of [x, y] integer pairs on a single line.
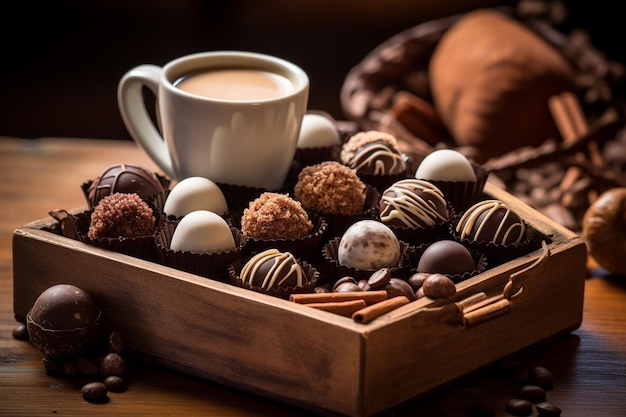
[[462, 194], [316, 155], [339, 223]]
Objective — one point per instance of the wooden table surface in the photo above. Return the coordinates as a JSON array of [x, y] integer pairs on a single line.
[[36, 176]]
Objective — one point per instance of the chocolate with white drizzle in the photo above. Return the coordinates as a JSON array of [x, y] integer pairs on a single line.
[[413, 203], [491, 221]]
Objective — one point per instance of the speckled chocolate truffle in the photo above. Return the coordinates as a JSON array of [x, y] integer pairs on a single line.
[[63, 321], [446, 257], [491, 221], [121, 215], [369, 244], [413, 203], [125, 178], [330, 187], [275, 216], [271, 269]]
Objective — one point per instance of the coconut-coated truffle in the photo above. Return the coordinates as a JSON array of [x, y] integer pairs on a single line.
[[330, 187], [121, 215], [275, 216]]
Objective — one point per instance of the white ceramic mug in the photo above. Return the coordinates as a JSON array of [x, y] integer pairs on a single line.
[[245, 141]]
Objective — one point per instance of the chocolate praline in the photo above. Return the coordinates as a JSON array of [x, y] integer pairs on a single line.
[[446, 257], [491, 221], [413, 203], [377, 158], [125, 178], [272, 269]]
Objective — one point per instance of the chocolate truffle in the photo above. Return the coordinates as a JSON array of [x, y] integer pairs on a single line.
[[377, 158], [491, 221], [330, 187], [271, 269], [121, 215], [317, 131], [195, 193], [128, 179], [446, 257], [413, 203], [369, 244], [275, 216], [63, 322], [202, 231], [357, 141], [445, 165]]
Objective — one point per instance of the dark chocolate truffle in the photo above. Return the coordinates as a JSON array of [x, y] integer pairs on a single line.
[[63, 322], [275, 216], [273, 269], [446, 257], [125, 178], [413, 203], [491, 221], [377, 158], [121, 215]]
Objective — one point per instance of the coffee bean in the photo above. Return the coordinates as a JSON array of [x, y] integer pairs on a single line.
[[438, 286], [115, 383], [115, 343], [347, 287], [343, 280], [398, 287], [417, 280], [86, 366], [521, 375], [519, 407], [20, 332], [542, 377], [364, 285], [113, 364], [94, 392], [532, 393], [546, 409], [379, 279]]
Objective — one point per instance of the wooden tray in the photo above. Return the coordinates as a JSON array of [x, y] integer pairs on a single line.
[[309, 358]]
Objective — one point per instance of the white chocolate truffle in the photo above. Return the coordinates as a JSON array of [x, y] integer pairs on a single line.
[[317, 131], [445, 165], [202, 231], [368, 244], [195, 193]]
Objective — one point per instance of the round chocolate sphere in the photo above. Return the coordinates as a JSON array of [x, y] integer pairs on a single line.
[[446, 257], [64, 322], [128, 179], [413, 203], [445, 165], [377, 158], [491, 221], [272, 269], [369, 244]]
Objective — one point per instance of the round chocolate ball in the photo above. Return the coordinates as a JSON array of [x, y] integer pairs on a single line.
[[491, 221], [64, 322], [413, 203], [377, 158], [369, 244], [125, 178], [272, 269], [446, 257]]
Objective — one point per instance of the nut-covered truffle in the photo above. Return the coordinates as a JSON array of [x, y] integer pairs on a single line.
[[330, 187], [125, 178], [413, 203], [369, 244], [491, 221], [275, 216], [121, 215], [272, 269]]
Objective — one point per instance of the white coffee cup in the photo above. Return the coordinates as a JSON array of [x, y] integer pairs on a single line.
[[240, 140]]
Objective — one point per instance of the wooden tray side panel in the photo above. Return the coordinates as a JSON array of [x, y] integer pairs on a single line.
[[268, 348], [432, 352]]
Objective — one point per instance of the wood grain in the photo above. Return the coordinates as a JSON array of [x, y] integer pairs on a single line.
[[40, 175]]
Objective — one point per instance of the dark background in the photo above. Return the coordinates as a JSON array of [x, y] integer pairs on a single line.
[[61, 60]]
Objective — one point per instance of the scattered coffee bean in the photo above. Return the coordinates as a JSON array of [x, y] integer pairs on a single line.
[[438, 286], [343, 280], [20, 332], [69, 369], [364, 285], [86, 366], [347, 287], [115, 343], [52, 368], [379, 279], [399, 287], [542, 377], [115, 383], [519, 407], [532, 393], [417, 280], [546, 409], [94, 392], [113, 364]]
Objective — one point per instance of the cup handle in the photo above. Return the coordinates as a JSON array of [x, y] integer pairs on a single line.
[[135, 115]]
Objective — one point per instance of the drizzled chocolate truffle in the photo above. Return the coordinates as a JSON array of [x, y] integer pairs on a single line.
[[271, 269], [373, 153], [491, 221], [121, 215], [275, 216], [125, 178], [413, 203]]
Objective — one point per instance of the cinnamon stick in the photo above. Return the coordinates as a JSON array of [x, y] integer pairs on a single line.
[[369, 313], [343, 308], [370, 297]]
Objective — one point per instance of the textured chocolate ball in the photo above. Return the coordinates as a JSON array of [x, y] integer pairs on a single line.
[[125, 178], [413, 203], [491, 221], [369, 244], [446, 257], [121, 215], [275, 216], [271, 269], [63, 322]]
